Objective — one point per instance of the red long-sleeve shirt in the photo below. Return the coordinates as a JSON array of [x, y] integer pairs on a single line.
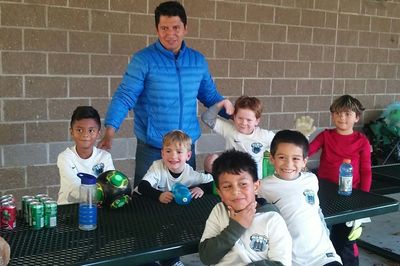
[[335, 148]]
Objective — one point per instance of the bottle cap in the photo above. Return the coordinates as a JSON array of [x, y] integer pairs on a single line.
[[87, 179], [347, 160]]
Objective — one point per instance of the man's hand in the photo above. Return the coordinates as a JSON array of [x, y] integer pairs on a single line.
[[4, 252], [305, 125], [196, 192], [244, 217], [229, 108], [166, 197], [106, 142]]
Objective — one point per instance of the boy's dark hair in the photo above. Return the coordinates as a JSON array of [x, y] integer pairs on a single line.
[[84, 112], [251, 103], [290, 136], [234, 162], [347, 103], [170, 9]]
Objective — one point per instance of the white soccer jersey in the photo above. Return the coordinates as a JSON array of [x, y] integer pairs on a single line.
[[160, 178], [298, 202], [69, 164], [255, 144]]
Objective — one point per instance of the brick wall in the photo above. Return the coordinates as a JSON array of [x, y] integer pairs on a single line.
[[296, 55]]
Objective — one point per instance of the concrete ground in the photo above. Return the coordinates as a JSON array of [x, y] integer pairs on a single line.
[[383, 231]]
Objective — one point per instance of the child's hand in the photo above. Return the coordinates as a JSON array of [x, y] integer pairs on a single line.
[[245, 216], [229, 108], [166, 197], [304, 125], [196, 192], [4, 252]]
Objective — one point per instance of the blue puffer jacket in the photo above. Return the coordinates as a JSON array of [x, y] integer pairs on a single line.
[[162, 90]]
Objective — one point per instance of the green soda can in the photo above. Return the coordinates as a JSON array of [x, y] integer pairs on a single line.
[[43, 199], [28, 210], [37, 212], [24, 206], [50, 213], [40, 196]]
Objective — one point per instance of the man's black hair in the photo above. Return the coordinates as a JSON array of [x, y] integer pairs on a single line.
[[234, 162], [84, 112], [290, 136], [170, 9]]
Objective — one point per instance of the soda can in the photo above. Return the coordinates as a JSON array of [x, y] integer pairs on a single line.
[[43, 199], [7, 199], [40, 196], [8, 215], [29, 210], [50, 213], [24, 206], [37, 212], [6, 196]]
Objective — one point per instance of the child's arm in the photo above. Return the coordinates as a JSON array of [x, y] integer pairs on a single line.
[[146, 189], [69, 181], [365, 167], [316, 144], [213, 249], [4, 252], [209, 117]]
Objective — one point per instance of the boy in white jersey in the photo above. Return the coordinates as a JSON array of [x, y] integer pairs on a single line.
[[295, 193], [243, 134], [243, 230], [83, 156], [172, 168]]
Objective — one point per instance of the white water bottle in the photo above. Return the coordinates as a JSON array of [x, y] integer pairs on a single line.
[[87, 202]]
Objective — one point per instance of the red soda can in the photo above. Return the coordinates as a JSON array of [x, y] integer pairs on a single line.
[[6, 196], [8, 215]]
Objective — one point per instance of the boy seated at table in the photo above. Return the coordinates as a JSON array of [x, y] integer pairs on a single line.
[[83, 156], [336, 144], [243, 230], [172, 168], [295, 193]]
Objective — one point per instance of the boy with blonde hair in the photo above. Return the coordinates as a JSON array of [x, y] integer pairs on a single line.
[[173, 168]]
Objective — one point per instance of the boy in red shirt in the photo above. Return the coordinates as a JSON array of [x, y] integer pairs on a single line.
[[339, 143]]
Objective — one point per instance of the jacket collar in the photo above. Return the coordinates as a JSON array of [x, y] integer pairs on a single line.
[[168, 53]]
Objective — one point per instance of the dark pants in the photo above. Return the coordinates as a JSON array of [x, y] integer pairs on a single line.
[[346, 249], [146, 155]]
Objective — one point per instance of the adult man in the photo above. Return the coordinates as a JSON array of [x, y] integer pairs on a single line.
[[162, 84]]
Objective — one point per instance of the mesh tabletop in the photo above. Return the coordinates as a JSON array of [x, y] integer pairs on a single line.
[[360, 204], [135, 232], [386, 179]]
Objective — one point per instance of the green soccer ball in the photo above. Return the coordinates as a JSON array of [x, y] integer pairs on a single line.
[[113, 189]]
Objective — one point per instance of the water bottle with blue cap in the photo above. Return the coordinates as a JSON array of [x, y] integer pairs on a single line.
[[181, 193], [87, 202]]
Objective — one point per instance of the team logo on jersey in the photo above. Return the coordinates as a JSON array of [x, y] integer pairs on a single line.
[[310, 196], [258, 242], [98, 169], [256, 147]]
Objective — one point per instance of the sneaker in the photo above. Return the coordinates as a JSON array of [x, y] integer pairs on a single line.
[[178, 263]]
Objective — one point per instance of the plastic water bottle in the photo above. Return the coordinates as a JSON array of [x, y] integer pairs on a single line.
[[345, 178], [87, 202], [181, 193]]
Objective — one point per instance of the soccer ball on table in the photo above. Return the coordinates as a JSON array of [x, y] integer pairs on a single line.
[[113, 189]]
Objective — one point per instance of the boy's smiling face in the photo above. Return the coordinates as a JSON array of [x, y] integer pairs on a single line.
[[344, 121], [85, 132], [245, 121], [175, 157], [237, 190], [288, 161]]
